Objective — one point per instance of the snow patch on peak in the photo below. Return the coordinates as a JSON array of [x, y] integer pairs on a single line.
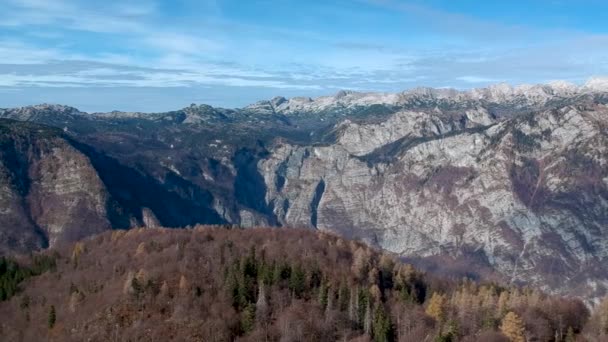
[[597, 84], [563, 86]]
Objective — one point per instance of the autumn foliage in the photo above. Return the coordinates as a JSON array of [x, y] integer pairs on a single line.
[[216, 284]]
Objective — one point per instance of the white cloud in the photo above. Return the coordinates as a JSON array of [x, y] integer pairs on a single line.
[[14, 52], [72, 15], [125, 77]]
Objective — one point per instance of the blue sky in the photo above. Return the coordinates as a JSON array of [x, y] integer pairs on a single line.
[[157, 55]]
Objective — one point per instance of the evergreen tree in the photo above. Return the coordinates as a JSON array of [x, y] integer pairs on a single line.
[[266, 273], [343, 297], [136, 287], [248, 318], [297, 281], [284, 271], [382, 327], [316, 277], [236, 288], [250, 265], [450, 333], [364, 307], [276, 273], [323, 295], [244, 288], [52, 317], [444, 338]]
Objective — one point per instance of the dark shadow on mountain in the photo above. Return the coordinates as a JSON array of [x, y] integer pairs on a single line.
[[249, 185], [176, 203]]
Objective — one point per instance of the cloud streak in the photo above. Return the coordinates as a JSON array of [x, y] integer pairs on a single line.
[[385, 45]]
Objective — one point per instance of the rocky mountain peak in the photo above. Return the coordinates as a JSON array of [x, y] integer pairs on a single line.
[[597, 84], [563, 87], [525, 95]]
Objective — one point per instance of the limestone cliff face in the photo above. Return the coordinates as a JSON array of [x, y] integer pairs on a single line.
[[529, 195], [50, 191]]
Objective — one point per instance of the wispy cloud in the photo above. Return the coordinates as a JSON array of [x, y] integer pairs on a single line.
[[476, 79], [70, 15], [279, 48]]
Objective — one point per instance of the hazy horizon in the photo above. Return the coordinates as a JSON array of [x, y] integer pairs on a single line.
[[157, 55], [270, 96]]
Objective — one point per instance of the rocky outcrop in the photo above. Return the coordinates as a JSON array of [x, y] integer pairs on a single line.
[[50, 191]]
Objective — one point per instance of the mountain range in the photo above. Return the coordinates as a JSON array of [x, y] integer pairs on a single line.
[[505, 182]]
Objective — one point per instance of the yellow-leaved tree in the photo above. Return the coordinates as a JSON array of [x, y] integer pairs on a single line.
[[437, 307], [513, 327]]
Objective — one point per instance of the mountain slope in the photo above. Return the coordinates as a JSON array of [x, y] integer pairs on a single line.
[[512, 179], [50, 191], [55, 189]]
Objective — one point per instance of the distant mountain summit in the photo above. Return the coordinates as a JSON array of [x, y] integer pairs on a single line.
[[499, 93]]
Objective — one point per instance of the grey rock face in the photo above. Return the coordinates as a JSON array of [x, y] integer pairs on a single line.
[[50, 191], [528, 195]]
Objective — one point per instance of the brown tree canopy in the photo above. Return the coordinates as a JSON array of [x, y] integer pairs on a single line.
[[218, 284]]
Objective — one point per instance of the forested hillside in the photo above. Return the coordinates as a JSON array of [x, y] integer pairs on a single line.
[[216, 284]]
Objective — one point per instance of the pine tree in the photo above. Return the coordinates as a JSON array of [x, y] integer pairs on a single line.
[[513, 327], [235, 288], [266, 273], [136, 287], [297, 281], [250, 265], [52, 317], [343, 297], [248, 318], [323, 295], [276, 273], [450, 333], [382, 327], [364, 305], [316, 277]]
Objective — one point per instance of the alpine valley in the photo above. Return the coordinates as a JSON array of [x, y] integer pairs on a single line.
[[506, 183]]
